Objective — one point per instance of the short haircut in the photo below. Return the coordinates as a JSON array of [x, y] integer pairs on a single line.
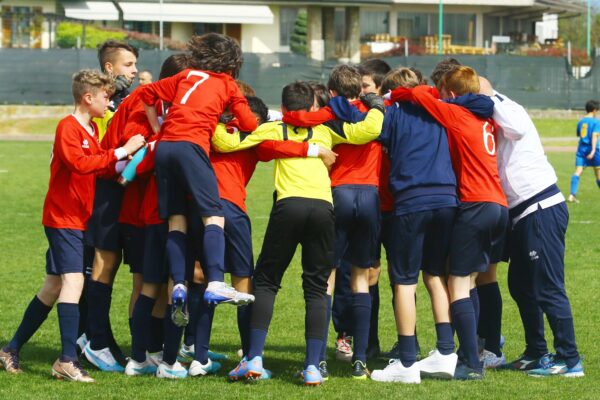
[[419, 74], [592, 105], [216, 52], [375, 68], [107, 51], [403, 77], [259, 108], [245, 88], [321, 93], [447, 64], [90, 81], [173, 65], [298, 96], [345, 80], [461, 80]]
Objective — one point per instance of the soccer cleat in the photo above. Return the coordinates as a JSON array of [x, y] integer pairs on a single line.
[[217, 356], [394, 352], [523, 363], [253, 368], [199, 369], [186, 354], [10, 361], [396, 372], [572, 199], [312, 376], [134, 368], [102, 359], [465, 373], [81, 342], [220, 292], [179, 314], [155, 358], [438, 365], [70, 371], [491, 360], [175, 371], [343, 348], [359, 370], [239, 372], [551, 365], [323, 370]]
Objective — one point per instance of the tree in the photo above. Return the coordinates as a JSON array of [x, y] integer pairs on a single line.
[[298, 38]]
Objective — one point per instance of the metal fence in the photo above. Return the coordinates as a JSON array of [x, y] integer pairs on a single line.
[[43, 76]]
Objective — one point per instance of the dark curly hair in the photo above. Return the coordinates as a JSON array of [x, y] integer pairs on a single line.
[[215, 52], [174, 64]]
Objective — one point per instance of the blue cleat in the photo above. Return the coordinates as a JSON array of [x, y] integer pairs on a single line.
[[524, 363], [241, 370], [102, 359], [179, 314], [312, 376], [217, 356], [466, 373], [551, 365]]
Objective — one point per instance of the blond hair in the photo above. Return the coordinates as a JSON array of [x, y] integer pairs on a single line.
[[460, 81], [403, 77], [90, 81]]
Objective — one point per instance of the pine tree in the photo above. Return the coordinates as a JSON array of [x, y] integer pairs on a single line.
[[298, 38]]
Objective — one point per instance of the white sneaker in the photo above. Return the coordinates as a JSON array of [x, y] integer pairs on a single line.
[[134, 368], [396, 372], [102, 359], [491, 360], [437, 365], [175, 371], [155, 358], [197, 369], [219, 292], [81, 342]]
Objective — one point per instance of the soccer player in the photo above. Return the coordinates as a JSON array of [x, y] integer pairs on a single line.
[[536, 243], [588, 148], [302, 214], [424, 188], [481, 220], [145, 77], [76, 159]]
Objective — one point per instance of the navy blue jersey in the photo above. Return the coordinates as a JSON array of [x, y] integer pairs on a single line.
[[421, 176]]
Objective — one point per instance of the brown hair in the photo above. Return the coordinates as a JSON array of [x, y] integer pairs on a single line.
[[399, 77], [447, 64], [174, 64], [321, 93], [461, 80], [245, 88], [107, 51], [345, 81], [375, 68], [90, 81], [216, 52]]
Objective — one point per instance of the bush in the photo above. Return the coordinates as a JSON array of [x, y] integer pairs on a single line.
[[298, 38], [68, 32]]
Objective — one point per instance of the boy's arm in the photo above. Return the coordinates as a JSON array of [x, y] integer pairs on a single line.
[[225, 142], [357, 133], [68, 148], [440, 111], [238, 105], [511, 117], [272, 149], [594, 142]]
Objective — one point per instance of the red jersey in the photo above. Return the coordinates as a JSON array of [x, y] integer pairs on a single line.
[[76, 159], [198, 98], [148, 211], [386, 198], [357, 165], [472, 143]]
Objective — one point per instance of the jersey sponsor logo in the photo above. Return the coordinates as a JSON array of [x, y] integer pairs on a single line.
[[584, 130], [533, 255], [85, 144]]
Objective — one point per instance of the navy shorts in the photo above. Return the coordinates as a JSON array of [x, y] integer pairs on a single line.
[[385, 236], [156, 269], [132, 242], [357, 224], [182, 169], [103, 226], [65, 251], [421, 242], [478, 237], [239, 260]]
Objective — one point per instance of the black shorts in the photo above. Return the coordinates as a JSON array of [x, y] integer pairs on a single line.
[[421, 242], [133, 243], [478, 237], [65, 251], [156, 269], [182, 169], [103, 226], [357, 224]]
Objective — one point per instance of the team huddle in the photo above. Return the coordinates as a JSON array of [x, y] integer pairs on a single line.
[[450, 179]]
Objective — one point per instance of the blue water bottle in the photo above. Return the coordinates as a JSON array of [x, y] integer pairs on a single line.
[[128, 174]]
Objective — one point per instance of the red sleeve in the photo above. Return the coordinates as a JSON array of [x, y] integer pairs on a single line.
[[401, 94], [238, 105], [164, 89], [307, 119], [271, 149], [442, 112], [146, 166], [67, 147]]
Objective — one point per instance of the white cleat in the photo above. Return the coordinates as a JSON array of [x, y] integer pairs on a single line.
[[175, 371], [220, 292], [198, 369], [396, 372], [134, 368], [437, 365], [491, 360]]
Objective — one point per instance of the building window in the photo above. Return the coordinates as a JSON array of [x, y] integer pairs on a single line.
[[202, 28], [461, 27], [373, 23], [287, 21], [413, 25], [22, 27]]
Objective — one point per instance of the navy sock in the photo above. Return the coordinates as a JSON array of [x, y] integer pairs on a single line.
[[445, 338], [374, 320], [408, 350], [361, 315], [574, 185], [99, 299], [313, 351], [323, 355], [243, 321], [141, 327], [214, 252], [176, 248], [475, 300], [257, 342], [34, 316], [490, 317], [463, 317], [68, 322], [203, 328], [195, 295], [172, 338], [157, 334]]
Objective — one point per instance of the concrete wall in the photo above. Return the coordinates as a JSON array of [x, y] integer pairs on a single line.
[[181, 31], [262, 38]]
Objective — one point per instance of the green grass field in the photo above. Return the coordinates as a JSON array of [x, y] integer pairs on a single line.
[[24, 170]]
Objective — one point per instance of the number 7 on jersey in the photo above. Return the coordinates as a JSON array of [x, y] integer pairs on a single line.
[[203, 77]]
